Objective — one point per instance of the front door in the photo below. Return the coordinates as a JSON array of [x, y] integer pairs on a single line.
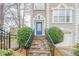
[[38, 28]]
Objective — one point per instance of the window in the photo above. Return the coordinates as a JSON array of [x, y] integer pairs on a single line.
[[39, 6], [62, 16]]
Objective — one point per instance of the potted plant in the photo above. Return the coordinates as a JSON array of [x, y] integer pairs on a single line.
[[56, 35], [22, 37]]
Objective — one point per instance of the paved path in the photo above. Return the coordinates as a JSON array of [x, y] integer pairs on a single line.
[[14, 43]]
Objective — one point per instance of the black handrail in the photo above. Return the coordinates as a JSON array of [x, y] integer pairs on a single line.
[[51, 40], [52, 45], [29, 40]]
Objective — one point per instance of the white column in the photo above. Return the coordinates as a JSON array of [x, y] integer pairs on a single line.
[[47, 12], [76, 22], [76, 33]]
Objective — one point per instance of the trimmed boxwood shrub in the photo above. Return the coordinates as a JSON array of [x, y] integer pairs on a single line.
[[9, 53], [56, 34], [23, 35]]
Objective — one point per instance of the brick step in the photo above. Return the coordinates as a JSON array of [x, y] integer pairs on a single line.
[[35, 46], [38, 47], [39, 52], [45, 54], [38, 42], [35, 43], [39, 37], [34, 49], [30, 54]]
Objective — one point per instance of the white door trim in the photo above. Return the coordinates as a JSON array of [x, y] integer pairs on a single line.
[[39, 18], [43, 27]]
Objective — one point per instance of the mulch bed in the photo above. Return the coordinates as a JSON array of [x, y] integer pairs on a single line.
[[23, 52], [58, 52]]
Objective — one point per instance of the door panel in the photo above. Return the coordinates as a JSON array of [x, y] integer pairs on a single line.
[[38, 28]]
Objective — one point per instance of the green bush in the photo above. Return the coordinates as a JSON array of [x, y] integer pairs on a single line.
[[56, 34], [77, 45], [76, 51], [8, 53], [23, 35]]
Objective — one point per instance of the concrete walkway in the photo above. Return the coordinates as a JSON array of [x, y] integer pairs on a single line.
[[14, 43]]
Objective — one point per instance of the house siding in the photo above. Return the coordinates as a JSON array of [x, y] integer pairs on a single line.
[[48, 19], [68, 27]]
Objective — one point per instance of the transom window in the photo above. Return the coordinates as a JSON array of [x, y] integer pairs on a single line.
[[62, 16], [39, 6]]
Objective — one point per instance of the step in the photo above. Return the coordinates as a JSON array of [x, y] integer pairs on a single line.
[[39, 52], [39, 38], [35, 47], [35, 43], [39, 47], [39, 55], [34, 54], [39, 42], [45, 54]]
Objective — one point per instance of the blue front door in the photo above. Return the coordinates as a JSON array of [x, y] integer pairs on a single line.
[[38, 28]]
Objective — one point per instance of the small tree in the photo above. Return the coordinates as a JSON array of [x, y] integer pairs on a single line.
[[23, 35], [56, 34]]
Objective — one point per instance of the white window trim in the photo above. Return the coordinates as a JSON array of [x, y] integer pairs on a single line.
[[70, 20], [59, 8], [37, 8]]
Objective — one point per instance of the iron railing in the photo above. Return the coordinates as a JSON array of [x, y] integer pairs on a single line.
[[29, 41], [4, 39], [51, 43]]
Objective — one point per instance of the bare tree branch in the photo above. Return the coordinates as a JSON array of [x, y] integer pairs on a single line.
[[23, 14]]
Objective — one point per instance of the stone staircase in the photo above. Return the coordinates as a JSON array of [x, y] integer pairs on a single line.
[[39, 47]]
